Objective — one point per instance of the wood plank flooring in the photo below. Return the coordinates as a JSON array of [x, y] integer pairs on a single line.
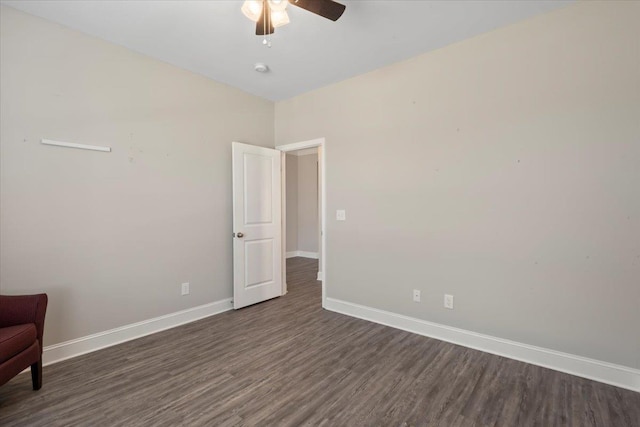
[[288, 362]]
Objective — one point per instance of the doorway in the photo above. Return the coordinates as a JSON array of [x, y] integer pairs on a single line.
[[306, 238]]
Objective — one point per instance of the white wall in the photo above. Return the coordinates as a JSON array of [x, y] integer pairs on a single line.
[[308, 203], [302, 204], [110, 236], [503, 170], [291, 177]]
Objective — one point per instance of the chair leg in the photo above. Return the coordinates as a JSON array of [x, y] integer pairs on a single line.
[[36, 374]]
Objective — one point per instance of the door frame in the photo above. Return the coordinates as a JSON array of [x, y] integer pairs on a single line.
[[322, 155]]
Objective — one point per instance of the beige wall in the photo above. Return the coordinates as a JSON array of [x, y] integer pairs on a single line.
[[110, 236], [308, 203], [503, 170], [292, 202]]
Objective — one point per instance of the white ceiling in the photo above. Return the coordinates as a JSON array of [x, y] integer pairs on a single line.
[[213, 38]]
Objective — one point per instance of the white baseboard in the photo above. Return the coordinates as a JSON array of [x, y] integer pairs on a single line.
[[320, 276], [609, 373], [303, 254], [79, 346]]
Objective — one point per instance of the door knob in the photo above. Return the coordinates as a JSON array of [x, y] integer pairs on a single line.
[[240, 235]]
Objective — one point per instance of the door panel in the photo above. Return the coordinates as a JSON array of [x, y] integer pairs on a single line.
[[258, 189], [257, 243], [259, 261]]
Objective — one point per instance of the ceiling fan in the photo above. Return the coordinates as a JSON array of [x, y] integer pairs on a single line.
[[271, 14]]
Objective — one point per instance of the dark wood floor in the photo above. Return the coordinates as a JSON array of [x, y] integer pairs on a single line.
[[287, 362]]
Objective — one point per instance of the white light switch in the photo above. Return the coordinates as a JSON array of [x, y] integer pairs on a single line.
[[341, 215]]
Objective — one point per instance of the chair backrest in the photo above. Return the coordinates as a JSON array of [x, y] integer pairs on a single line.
[[21, 309]]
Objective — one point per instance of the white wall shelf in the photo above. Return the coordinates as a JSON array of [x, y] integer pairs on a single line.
[[74, 145]]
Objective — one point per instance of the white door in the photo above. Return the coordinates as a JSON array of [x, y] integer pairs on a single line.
[[257, 225]]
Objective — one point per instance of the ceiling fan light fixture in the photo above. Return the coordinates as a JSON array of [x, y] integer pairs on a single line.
[[278, 5], [271, 14], [279, 18], [252, 9]]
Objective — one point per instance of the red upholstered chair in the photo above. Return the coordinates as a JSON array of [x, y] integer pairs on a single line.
[[21, 329]]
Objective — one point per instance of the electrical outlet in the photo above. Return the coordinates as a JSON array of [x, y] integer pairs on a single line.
[[448, 301], [185, 289], [416, 295], [341, 215]]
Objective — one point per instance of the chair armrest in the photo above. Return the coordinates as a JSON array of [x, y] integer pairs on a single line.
[[21, 309]]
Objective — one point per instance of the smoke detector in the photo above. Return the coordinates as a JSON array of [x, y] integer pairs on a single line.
[[260, 67]]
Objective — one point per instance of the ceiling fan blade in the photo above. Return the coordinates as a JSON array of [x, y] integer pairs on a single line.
[[325, 8], [264, 25]]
